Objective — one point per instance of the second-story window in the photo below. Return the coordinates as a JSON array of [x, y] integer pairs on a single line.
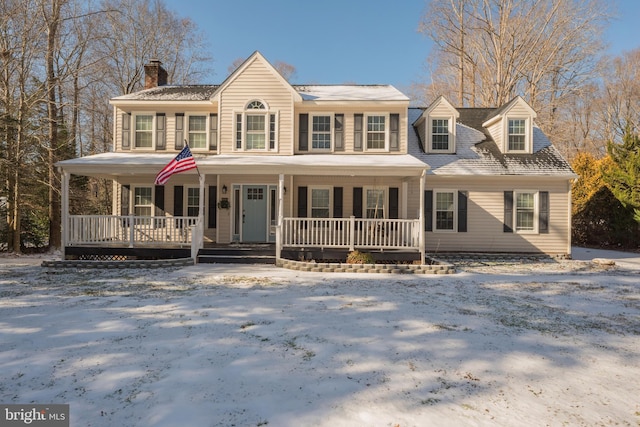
[[439, 134], [143, 131], [256, 128], [517, 134], [197, 132], [321, 132], [376, 132]]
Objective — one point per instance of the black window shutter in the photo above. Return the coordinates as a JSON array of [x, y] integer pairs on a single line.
[[303, 129], [212, 220], [179, 138], [508, 212], [302, 202], [394, 132], [357, 132], [428, 210], [337, 202], [125, 190], [357, 202], [126, 131], [159, 200], [394, 203], [161, 132], [338, 130], [213, 132], [463, 197], [178, 192], [543, 226]]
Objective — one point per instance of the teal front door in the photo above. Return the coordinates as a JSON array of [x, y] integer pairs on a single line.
[[254, 213]]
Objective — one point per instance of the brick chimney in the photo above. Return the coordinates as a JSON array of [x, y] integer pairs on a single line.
[[154, 74]]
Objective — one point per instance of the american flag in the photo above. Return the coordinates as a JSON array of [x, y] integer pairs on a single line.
[[183, 162]]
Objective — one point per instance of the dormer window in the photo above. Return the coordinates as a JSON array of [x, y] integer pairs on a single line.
[[256, 127], [517, 134], [440, 134]]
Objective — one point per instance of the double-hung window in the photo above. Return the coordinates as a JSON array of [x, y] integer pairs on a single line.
[[376, 132], [143, 137], [525, 211], [517, 134], [321, 132], [375, 203], [445, 210], [197, 131], [320, 202], [440, 134], [256, 128], [142, 201]]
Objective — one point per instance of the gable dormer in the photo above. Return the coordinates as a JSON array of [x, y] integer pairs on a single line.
[[511, 127], [437, 127]]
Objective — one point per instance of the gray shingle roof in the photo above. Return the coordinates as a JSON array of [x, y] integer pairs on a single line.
[[478, 154], [172, 93]]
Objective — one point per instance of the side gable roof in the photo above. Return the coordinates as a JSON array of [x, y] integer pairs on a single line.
[[257, 56]]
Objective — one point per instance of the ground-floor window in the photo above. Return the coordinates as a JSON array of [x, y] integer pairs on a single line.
[[445, 210], [193, 201], [375, 202], [320, 202], [142, 201], [525, 211]]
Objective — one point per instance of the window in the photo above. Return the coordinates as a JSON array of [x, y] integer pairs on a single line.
[[525, 211], [445, 210], [517, 134], [255, 126], [440, 134], [321, 132], [255, 132], [142, 201], [193, 201], [197, 132], [144, 131], [376, 132], [320, 202], [375, 202]]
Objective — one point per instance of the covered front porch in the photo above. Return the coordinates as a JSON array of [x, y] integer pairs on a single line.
[[227, 186]]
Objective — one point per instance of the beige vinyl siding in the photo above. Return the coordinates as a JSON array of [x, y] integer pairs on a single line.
[[496, 130], [485, 216], [421, 128], [257, 82], [349, 110]]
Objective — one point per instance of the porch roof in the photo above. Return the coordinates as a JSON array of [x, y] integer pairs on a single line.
[[117, 164]]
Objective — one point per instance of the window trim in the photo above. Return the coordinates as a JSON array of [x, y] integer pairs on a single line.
[[536, 212], [134, 130], [310, 206], [206, 131], [451, 121], [365, 132], [132, 201], [330, 132], [527, 134], [241, 133], [365, 200], [185, 199], [434, 219]]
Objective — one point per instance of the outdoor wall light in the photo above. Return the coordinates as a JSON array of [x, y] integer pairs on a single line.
[[224, 189]]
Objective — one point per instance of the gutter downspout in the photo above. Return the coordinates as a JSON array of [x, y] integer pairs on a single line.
[[421, 232]]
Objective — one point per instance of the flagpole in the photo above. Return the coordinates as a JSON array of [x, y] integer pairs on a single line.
[[197, 170]]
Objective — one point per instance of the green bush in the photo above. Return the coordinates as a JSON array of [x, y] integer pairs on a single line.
[[357, 257]]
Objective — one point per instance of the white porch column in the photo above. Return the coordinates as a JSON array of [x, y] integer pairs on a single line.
[[201, 199], [280, 216], [65, 211], [421, 225]]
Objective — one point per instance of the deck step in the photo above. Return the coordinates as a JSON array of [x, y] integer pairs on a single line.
[[238, 255]]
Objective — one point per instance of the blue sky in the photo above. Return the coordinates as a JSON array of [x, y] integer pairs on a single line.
[[340, 41]]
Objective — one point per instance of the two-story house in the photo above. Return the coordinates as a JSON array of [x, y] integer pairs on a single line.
[[321, 167]]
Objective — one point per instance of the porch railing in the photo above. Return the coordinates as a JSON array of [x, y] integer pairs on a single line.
[[130, 230], [351, 233]]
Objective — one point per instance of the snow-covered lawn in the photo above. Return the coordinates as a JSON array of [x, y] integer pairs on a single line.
[[219, 345]]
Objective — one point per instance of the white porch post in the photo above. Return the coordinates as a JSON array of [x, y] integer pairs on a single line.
[[421, 225], [65, 211], [280, 216]]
